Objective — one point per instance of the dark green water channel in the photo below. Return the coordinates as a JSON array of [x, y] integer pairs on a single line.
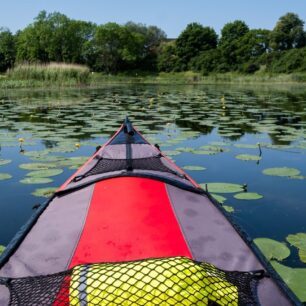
[[208, 126]]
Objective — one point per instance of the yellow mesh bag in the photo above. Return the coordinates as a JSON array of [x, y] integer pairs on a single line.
[[165, 281]]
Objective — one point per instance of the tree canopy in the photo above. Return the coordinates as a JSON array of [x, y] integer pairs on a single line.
[[7, 49], [113, 47], [288, 33], [194, 39]]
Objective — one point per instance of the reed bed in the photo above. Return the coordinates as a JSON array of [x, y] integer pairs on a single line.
[[59, 73]]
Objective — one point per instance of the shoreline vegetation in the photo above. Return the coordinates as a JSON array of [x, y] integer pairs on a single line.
[[57, 51], [57, 75]]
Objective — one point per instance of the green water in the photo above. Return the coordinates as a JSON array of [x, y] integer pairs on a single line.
[[207, 126]]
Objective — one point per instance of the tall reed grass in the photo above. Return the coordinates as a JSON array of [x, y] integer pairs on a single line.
[[59, 73]]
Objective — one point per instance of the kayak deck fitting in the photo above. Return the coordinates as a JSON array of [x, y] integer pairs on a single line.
[[131, 228]]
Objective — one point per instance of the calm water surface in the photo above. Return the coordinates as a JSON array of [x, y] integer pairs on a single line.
[[219, 117]]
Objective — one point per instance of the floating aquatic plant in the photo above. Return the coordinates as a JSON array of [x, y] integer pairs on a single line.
[[37, 166], [248, 196], [293, 277], [282, 171], [272, 249], [246, 146], [5, 176], [299, 241], [5, 161], [229, 209], [223, 187], [194, 168], [36, 180], [45, 173], [2, 248], [44, 192], [248, 157], [219, 198]]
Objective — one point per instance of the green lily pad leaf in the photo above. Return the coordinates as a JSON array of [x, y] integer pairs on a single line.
[[204, 152], [171, 153], [36, 180], [223, 187], [293, 277], [5, 176], [4, 161], [220, 143], [37, 166], [2, 248], [35, 153], [213, 148], [246, 146], [45, 173], [74, 162], [44, 192], [299, 241], [248, 157], [229, 209], [194, 168], [219, 198], [282, 171], [272, 249], [298, 177], [248, 196], [184, 149]]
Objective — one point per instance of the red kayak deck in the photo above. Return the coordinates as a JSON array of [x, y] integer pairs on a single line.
[[140, 209]]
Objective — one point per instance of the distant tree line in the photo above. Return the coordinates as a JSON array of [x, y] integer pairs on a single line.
[[113, 48]]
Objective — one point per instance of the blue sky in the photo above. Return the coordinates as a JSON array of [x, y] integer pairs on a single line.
[[170, 15]]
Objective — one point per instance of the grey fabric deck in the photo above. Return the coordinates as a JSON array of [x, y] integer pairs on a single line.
[[211, 238]]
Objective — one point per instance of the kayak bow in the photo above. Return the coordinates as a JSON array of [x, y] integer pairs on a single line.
[[132, 228]]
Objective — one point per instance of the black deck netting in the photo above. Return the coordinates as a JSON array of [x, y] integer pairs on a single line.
[[164, 281], [105, 165]]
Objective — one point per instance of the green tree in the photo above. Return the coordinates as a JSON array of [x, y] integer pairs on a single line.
[[167, 58], [288, 33], [206, 62], [54, 37], [193, 40], [230, 43], [7, 49], [152, 37], [116, 47]]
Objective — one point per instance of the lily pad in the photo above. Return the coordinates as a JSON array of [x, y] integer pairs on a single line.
[[204, 152], [219, 198], [246, 146], [37, 166], [5, 176], [171, 153], [184, 149], [248, 196], [36, 180], [293, 277], [2, 248], [4, 161], [272, 249], [223, 187], [194, 168], [299, 241], [45, 173], [229, 209], [248, 157], [44, 192], [282, 171]]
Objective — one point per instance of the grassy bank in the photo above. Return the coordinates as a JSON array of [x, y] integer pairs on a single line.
[[54, 74], [67, 75], [190, 77]]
